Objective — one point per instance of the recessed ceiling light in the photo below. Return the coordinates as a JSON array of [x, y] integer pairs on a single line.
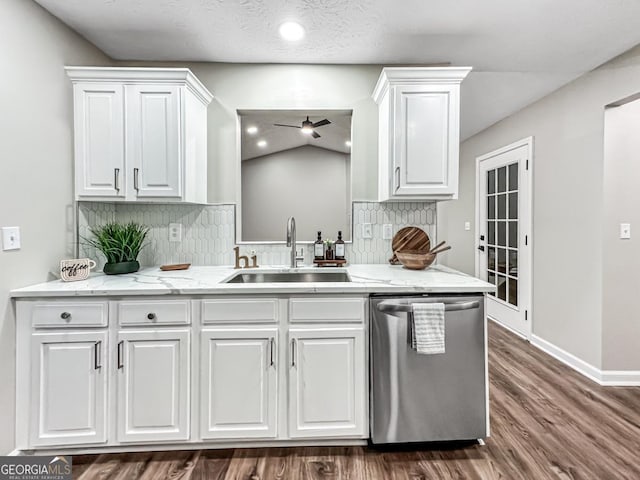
[[252, 130], [348, 143], [291, 31], [262, 143]]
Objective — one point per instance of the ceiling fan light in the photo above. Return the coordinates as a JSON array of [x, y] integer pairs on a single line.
[[291, 31], [307, 130]]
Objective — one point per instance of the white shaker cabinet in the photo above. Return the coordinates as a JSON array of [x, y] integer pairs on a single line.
[[153, 385], [238, 387], [419, 132], [68, 402], [140, 134], [327, 390]]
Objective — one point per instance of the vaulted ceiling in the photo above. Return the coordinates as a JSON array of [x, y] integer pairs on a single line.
[[521, 50]]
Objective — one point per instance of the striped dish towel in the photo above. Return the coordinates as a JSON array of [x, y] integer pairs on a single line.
[[427, 332]]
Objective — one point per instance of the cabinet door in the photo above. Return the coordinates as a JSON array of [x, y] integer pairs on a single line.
[[153, 140], [99, 140], [68, 393], [238, 385], [327, 382], [153, 385], [427, 137]]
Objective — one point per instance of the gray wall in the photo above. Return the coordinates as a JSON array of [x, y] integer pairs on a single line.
[[307, 182], [36, 181], [621, 258], [568, 131]]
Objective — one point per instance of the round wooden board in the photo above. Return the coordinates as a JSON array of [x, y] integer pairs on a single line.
[[409, 238]]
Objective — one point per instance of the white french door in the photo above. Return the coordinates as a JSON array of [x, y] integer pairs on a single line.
[[503, 241]]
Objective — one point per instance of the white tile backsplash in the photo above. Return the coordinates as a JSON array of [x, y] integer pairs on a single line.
[[208, 235]]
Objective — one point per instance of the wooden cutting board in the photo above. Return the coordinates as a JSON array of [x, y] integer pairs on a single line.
[[409, 238]]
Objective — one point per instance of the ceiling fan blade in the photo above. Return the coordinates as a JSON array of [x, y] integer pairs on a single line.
[[281, 125], [321, 123], [315, 134]]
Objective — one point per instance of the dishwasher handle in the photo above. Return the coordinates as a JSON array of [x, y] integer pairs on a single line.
[[392, 307]]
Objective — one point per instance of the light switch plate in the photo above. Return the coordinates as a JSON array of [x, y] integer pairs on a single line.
[[10, 238], [467, 226], [625, 231], [367, 231], [175, 232], [387, 231]]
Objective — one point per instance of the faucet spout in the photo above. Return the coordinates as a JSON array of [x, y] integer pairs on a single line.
[[291, 242]]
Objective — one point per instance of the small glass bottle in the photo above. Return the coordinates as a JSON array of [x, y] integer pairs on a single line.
[[328, 253], [318, 248], [339, 247]]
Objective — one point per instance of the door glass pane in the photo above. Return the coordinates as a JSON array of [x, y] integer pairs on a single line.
[[502, 260], [513, 176], [513, 234], [513, 205], [491, 278], [491, 181], [513, 263], [491, 263], [491, 207], [502, 207], [502, 234], [491, 233], [502, 179], [513, 291], [502, 287]]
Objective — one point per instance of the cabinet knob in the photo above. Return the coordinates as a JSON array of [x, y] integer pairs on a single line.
[[65, 315], [151, 316]]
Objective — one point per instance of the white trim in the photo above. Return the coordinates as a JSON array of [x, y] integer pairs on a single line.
[[14, 453], [528, 142], [606, 378], [506, 327]]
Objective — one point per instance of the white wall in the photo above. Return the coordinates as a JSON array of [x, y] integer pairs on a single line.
[[307, 182], [36, 162], [621, 258], [568, 131]]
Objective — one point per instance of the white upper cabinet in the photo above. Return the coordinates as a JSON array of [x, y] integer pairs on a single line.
[[419, 132], [140, 134]]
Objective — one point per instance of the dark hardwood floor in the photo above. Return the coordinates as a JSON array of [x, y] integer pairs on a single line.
[[547, 421]]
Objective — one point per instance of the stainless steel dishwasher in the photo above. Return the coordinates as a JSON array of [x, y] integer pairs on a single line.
[[425, 398]]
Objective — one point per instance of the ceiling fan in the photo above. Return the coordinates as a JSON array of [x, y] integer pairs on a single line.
[[307, 127]]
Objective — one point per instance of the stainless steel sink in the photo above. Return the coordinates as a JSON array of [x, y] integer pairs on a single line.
[[289, 277]]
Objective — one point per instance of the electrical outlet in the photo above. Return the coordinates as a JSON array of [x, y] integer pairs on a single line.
[[10, 238], [387, 231], [175, 232], [625, 231], [467, 226], [367, 230]]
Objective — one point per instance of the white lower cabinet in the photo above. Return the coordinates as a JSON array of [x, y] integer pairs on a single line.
[[327, 396], [153, 385], [238, 387], [68, 388]]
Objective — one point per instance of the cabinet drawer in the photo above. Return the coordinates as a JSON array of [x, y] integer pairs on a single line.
[[157, 312], [317, 310], [240, 310], [76, 314]]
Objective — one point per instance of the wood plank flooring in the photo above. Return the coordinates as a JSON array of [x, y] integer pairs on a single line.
[[547, 422]]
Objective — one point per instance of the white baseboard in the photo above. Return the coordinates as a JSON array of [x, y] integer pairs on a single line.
[[14, 453], [506, 327], [607, 378]]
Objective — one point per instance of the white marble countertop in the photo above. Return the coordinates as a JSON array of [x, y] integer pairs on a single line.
[[210, 281]]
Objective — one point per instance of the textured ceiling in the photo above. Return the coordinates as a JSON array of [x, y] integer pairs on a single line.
[[520, 49]]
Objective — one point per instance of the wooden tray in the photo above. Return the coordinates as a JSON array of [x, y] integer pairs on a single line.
[[175, 266], [330, 263], [409, 238]]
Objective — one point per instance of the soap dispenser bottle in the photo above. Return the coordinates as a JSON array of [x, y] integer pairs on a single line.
[[318, 248], [339, 247]]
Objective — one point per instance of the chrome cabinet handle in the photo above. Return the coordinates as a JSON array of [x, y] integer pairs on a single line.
[[135, 179], [116, 179], [120, 352], [397, 172], [96, 356], [151, 316], [294, 349], [272, 347], [65, 315]]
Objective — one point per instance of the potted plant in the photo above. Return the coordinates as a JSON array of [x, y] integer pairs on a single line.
[[120, 244]]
